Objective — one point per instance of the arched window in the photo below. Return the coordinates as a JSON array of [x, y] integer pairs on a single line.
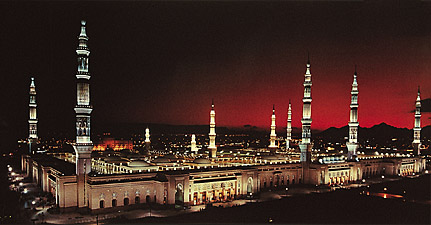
[[137, 200], [114, 202], [102, 204], [126, 201]]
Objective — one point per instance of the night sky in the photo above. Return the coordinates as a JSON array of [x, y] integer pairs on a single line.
[[163, 62]]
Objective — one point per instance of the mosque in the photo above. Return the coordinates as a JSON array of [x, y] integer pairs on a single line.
[[85, 180]]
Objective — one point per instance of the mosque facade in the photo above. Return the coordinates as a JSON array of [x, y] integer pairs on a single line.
[[104, 182]]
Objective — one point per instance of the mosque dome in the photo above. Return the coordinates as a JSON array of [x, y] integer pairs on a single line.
[[171, 156], [270, 157], [112, 158], [161, 160], [138, 163], [115, 159], [201, 161], [134, 156]]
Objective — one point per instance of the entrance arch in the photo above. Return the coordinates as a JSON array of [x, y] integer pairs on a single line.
[[249, 186], [179, 196]]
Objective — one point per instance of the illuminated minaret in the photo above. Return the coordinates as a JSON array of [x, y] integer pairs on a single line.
[[212, 146], [306, 144], [32, 122], [289, 126], [193, 148], [352, 145], [83, 145], [272, 136], [417, 128], [147, 139]]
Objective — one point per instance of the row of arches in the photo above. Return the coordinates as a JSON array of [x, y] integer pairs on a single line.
[[278, 180], [126, 201]]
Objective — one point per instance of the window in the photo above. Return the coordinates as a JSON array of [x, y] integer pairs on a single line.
[[102, 204], [114, 202]]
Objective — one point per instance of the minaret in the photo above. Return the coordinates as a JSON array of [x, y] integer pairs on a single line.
[[417, 129], [32, 122], [272, 147], [193, 148], [147, 139], [289, 126], [83, 145], [306, 144], [352, 145], [212, 145]]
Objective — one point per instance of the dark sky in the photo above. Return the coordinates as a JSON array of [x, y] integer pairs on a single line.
[[162, 62]]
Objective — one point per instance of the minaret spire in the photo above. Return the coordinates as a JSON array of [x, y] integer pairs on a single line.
[[272, 135], [147, 139], [289, 126], [83, 109], [352, 145], [212, 135], [193, 148], [417, 129], [32, 122], [306, 144]]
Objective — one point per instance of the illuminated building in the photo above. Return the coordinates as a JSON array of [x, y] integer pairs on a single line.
[[83, 145], [32, 122], [352, 145], [417, 128], [113, 144], [306, 144], [272, 146], [212, 135], [289, 126]]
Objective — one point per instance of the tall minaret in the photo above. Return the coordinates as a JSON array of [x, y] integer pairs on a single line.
[[306, 144], [352, 145], [272, 136], [193, 148], [32, 122], [147, 139], [417, 129], [289, 126], [83, 145], [212, 146]]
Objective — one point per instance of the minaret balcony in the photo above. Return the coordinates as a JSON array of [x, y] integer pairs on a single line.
[[83, 109], [306, 120], [83, 76]]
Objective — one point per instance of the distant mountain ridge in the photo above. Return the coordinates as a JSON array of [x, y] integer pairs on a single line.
[[380, 133]]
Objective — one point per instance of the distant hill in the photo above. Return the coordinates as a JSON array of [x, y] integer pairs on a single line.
[[378, 133]]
